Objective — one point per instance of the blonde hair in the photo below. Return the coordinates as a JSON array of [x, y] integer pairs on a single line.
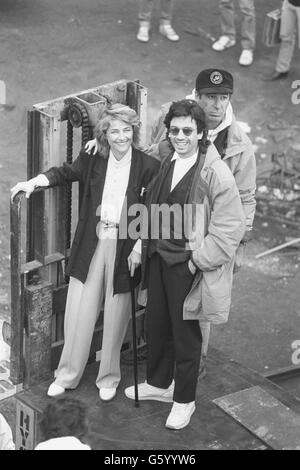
[[116, 111]]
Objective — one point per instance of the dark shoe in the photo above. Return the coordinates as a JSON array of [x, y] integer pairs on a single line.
[[276, 76]]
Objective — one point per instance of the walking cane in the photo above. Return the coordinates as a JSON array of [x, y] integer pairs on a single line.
[[134, 346]]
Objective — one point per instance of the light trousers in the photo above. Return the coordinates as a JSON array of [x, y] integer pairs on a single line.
[[248, 26], [290, 24], [146, 8], [84, 302]]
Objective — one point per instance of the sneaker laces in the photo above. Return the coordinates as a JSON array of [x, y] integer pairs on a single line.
[[169, 30]]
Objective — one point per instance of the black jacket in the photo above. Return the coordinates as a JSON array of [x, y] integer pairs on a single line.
[[90, 170]]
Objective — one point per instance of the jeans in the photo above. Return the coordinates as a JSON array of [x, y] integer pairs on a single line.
[[146, 7], [248, 26]]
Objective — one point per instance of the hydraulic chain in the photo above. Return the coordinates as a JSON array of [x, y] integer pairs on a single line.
[[77, 116]]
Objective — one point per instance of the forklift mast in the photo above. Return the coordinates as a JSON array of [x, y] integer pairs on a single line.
[[41, 235]]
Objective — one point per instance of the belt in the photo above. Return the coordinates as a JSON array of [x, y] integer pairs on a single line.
[[107, 224]]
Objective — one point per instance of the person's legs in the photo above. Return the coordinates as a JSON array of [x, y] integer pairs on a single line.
[[297, 12], [227, 38], [82, 309], [248, 26], [165, 27], [145, 10], [187, 344], [186, 333], [144, 16], [287, 35], [160, 349], [166, 10], [226, 8], [116, 318]]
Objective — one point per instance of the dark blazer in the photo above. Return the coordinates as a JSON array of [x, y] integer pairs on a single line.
[[90, 170]]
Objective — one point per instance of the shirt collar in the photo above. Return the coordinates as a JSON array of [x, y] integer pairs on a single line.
[[177, 157]]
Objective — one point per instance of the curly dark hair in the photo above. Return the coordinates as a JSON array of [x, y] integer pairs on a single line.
[[185, 108], [64, 416]]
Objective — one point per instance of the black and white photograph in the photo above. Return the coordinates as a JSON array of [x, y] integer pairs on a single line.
[[150, 227]]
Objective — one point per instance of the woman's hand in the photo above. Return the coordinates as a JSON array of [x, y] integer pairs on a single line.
[[29, 186], [134, 260], [90, 145]]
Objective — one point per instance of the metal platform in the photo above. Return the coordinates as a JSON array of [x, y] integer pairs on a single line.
[[119, 425]]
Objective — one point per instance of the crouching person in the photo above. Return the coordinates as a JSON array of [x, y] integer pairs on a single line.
[[188, 273]]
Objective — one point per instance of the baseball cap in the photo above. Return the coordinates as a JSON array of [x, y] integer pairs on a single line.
[[214, 81]]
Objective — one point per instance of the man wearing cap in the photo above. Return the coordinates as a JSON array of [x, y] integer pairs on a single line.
[[248, 27], [213, 90]]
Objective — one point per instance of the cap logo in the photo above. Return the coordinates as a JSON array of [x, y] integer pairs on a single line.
[[216, 78]]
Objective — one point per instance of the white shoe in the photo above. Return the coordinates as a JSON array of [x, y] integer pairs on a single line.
[[148, 392], [224, 42], [246, 57], [107, 394], [180, 415], [166, 30], [143, 33], [54, 390]]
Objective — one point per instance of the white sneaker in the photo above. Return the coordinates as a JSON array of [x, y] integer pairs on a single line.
[[166, 30], [180, 415], [224, 42], [54, 390], [143, 33], [107, 394], [148, 392], [246, 57]]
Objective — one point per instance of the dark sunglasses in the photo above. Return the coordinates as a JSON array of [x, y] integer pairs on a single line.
[[186, 130]]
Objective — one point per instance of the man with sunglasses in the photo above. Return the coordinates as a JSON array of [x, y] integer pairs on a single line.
[[213, 91], [195, 221]]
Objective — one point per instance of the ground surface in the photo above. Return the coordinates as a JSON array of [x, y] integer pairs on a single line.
[[50, 48]]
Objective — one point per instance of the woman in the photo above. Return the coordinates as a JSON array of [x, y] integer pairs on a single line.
[[100, 260]]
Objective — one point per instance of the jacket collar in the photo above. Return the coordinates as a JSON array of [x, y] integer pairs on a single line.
[[238, 141], [227, 121]]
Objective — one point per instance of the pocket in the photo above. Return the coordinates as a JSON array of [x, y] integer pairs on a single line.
[[185, 270]]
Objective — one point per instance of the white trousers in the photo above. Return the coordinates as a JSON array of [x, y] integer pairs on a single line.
[[84, 302]]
